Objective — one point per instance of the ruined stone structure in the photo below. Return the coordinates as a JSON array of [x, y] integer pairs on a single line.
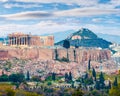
[[30, 40]]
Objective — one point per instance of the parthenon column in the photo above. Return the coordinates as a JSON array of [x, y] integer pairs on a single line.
[[20, 41], [10, 40], [13, 40]]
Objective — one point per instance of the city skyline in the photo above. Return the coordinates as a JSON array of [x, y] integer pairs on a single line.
[[49, 16]]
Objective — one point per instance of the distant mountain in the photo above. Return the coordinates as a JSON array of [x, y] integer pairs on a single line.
[[58, 36], [86, 38], [1, 39]]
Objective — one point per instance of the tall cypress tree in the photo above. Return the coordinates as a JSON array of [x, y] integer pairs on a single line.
[[70, 76], [115, 83], [94, 73], [86, 76], [66, 44], [101, 80], [74, 55], [53, 76], [66, 76], [89, 65], [28, 76], [109, 85], [56, 54], [97, 85]]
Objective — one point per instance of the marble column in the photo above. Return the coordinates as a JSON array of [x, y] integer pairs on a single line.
[[10, 40], [20, 40]]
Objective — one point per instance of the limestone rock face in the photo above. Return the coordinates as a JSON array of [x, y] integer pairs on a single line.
[[82, 55], [77, 55]]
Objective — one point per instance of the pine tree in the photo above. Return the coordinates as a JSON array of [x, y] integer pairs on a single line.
[[94, 73], [115, 83]]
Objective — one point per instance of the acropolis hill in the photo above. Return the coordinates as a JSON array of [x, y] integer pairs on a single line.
[[43, 59], [40, 50]]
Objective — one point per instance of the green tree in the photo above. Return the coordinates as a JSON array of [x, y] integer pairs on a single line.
[[86, 76], [66, 76], [53, 76], [76, 46], [66, 44], [19, 77], [49, 83], [70, 76], [101, 80], [115, 83], [4, 78], [74, 55], [56, 54], [28, 76], [97, 85], [89, 65], [109, 85], [94, 74]]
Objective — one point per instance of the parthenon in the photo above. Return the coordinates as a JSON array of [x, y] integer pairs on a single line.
[[30, 40], [19, 39]]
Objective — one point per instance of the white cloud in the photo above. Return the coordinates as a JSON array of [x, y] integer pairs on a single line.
[[7, 5], [3, 0], [80, 2], [115, 2], [91, 11], [27, 15], [78, 12]]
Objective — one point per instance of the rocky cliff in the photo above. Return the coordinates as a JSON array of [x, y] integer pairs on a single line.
[[77, 55]]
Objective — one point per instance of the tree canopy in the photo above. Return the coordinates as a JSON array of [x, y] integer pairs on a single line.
[[66, 44]]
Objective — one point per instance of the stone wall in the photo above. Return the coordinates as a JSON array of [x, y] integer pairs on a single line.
[[77, 55], [81, 55]]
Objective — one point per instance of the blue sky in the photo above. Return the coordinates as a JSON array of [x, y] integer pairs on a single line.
[[49, 16]]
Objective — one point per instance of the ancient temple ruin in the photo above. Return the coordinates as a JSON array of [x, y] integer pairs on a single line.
[[30, 40]]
